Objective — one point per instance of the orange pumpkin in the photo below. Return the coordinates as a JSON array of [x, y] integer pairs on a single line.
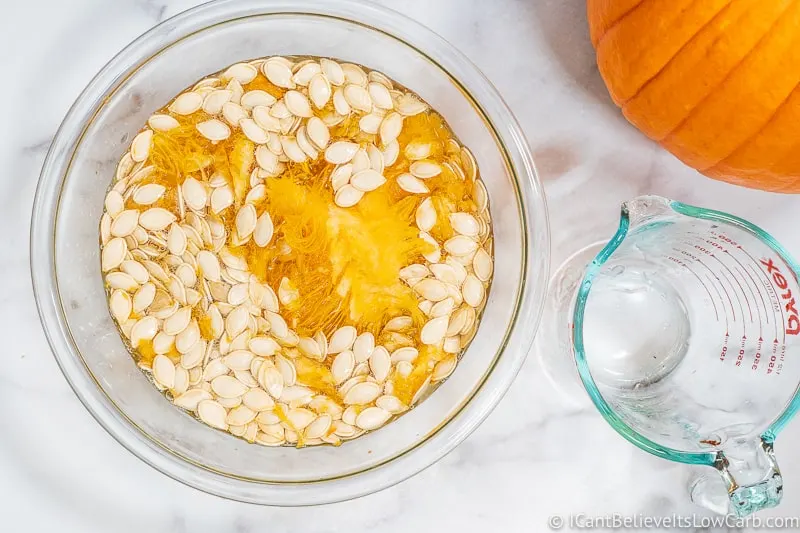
[[713, 81]]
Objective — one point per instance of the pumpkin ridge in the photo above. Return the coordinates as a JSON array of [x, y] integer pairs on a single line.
[[786, 102], [637, 47], [700, 105], [718, 44], [596, 42], [683, 47]]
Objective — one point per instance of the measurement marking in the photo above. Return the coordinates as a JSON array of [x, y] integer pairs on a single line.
[[758, 309], [750, 309], [720, 299], [748, 276], [758, 290], [706, 252], [716, 312], [724, 288], [690, 255]]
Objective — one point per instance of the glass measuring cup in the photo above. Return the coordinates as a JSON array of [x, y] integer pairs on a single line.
[[685, 331]]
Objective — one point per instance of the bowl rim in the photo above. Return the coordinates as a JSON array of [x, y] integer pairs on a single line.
[[472, 412]]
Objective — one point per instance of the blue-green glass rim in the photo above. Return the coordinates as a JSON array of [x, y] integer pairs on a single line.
[[694, 458]]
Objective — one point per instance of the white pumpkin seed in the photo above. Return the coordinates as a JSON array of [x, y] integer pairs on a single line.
[[415, 151], [120, 305], [370, 123], [215, 100], [253, 131], [221, 199], [380, 364], [363, 346], [372, 418], [390, 153], [298, 104], [244, 73], [319, 91], [434, 330], [409, 105], [412, 184], [380, 96], [443, 308], [187, 338], [426, 215], [460, 245], [258, 400], [425, 169], [465, 224], [340, 152], [246, 220], [278, 73], [254, 98], [362, 393], [348, 196], [333, 72], [390, 129], [473, 291], [233, 113], [292, 149], [482, 265], [190, 399], [318, 427], [304, 74], [143, 330], [240, 416], [140, 146], [342, 366], [148, 194], [340, 104], [113, 254], [186, 103], [214, 130], [156, 219], [209, 265], [164, 371], [318, 132], [178, 321], [358, 98], [431, 289], [212, 413], [342, 339], [367, 180], [354, 74], [271, 380], [114, 203], [162, 123]]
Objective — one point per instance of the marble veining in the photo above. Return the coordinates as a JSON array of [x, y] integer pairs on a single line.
[[535, 456]]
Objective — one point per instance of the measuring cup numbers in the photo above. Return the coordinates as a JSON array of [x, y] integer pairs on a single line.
[[750, 295]]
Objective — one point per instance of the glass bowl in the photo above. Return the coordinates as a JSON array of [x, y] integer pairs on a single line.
[[66, 267]]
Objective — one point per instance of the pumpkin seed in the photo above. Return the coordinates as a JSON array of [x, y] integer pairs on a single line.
[[186, 103], [412, 184], [372, 418], [348, 196], [212, 413]]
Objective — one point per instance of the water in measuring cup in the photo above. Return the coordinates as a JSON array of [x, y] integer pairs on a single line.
[[638, 328]]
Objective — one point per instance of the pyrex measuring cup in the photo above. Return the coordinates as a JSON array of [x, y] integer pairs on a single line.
[[686, 335]]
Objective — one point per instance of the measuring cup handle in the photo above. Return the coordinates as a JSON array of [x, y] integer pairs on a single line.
[[750, 476]]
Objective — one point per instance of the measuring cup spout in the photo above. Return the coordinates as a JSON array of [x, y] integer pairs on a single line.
[[750, 476], [643, 208]]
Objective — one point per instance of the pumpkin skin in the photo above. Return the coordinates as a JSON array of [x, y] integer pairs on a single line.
[[716, 82]]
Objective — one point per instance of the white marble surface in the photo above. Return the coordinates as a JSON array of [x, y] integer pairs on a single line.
[[534, 457]]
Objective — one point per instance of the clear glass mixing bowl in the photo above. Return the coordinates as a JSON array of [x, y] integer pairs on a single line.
[[66, 267]]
